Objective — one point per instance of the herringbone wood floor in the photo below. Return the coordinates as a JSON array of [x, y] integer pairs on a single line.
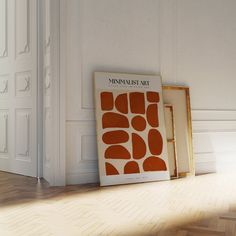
[[203, 205]]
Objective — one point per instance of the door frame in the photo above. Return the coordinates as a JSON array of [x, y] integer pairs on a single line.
[[62, 81], [57, 168], [40, 84], [58, 90]]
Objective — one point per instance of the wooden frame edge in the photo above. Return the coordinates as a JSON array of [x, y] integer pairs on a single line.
[[176, 174], [189, 120]]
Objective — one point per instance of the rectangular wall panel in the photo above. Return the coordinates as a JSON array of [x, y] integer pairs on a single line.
[[3, 132], [88, 148], [3, 28], [81, 162], [23, 118], [22, 16], [103, 41], [206, 53], [214, 144]]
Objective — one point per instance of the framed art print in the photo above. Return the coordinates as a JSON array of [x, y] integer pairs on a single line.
[[131, 135]]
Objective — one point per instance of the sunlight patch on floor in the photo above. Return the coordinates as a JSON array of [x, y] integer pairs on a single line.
[[136, 209]]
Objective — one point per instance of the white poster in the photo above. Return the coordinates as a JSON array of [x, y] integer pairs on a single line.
[[130, 128]]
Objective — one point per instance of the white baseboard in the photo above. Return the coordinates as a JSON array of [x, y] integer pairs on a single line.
[[82, 178]]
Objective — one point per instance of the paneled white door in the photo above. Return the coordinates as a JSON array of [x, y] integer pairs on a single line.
[[18, 86]]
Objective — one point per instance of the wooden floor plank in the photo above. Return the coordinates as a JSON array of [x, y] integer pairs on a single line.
[[204, 230], [202, 205]]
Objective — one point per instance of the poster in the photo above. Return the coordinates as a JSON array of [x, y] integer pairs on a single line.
[[131, 135]]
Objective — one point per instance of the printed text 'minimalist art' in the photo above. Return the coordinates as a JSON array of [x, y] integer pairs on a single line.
[[129, 82]]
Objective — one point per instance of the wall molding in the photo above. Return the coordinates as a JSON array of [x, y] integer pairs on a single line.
[[205, 157], [213, 115], [168, 41], [209, 126], [82, 178], [82, 159], [83, 111]]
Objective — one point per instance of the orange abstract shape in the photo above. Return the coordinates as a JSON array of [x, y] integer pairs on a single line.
[[139, 146], [154, 164], [153, 97], [114, 137], [107, 102], [131, 168], [121, 103], [117, 152], [114, 120], [110, 169], [152, 115], [155, 142], [137, 103], [138, 123]]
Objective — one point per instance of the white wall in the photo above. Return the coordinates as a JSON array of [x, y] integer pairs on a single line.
[[206, 61], [189, 42]]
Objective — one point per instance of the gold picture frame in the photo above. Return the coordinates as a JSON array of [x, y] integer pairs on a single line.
[[179, 97], [171, 140]]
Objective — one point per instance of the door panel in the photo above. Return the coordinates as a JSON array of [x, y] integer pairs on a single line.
[[3, 133], [22, 135], [3, 28], [18, 86]]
